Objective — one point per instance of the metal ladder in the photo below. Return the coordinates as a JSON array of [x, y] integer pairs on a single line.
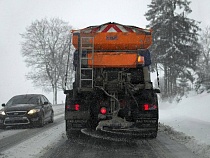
[[86, 70]]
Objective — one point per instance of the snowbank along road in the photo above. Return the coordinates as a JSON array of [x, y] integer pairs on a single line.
[[50, 141]]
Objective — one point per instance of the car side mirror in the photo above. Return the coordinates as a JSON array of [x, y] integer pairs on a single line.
[[45, 103], [157, 90], [3, 104]]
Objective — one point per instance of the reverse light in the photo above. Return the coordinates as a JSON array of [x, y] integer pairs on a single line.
[[103, 110], [2, 113], [147, 107], [33, 111]]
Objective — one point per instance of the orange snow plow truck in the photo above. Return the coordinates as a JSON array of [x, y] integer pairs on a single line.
[[112, 90]]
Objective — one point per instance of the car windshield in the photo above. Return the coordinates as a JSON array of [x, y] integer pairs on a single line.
[[25, 99]]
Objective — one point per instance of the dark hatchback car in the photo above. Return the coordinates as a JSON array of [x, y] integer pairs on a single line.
[[28, 109]]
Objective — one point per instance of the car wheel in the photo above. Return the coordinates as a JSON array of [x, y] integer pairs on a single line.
[[41, 121], [51, 118]]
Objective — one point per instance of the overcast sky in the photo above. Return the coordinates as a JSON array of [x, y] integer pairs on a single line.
[[16, 15]]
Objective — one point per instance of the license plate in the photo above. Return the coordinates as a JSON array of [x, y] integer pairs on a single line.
[[15, 118], [77, 121], [77, 125]]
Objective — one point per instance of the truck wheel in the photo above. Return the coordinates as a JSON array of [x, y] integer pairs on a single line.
[[93, 123], [72, 133], [153, 134]]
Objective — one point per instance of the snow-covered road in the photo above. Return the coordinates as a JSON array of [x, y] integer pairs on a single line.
[[184, 130], [91, 147]]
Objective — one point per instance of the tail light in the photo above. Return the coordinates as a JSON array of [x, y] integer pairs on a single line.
[[73, 107], [103, 110], [76, 107], [147, 107]]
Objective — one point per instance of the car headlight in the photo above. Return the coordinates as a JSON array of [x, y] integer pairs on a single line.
[[33, 111], [2, 113]]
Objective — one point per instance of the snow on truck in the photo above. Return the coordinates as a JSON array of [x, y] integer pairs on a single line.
[[112, 90]]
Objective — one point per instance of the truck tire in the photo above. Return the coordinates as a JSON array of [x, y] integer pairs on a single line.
[[153, 134], [70, 133], [93, 122]]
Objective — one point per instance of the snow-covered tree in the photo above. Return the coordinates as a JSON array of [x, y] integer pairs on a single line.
[[203, 71], [46, 48], [175, 39]]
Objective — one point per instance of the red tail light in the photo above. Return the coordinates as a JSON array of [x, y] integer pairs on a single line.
[[149, 107], [76, 107], [103, 110], [146, 106], [73, 107]]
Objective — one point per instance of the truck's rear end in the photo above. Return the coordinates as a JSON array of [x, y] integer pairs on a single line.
[[112, 88]]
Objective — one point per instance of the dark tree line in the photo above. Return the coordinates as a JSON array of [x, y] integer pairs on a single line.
[[175, 43]]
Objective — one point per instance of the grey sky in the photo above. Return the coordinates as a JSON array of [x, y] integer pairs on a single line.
[[16, 15]]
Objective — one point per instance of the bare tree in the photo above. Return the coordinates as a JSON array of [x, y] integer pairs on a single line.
[[45, 47]]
